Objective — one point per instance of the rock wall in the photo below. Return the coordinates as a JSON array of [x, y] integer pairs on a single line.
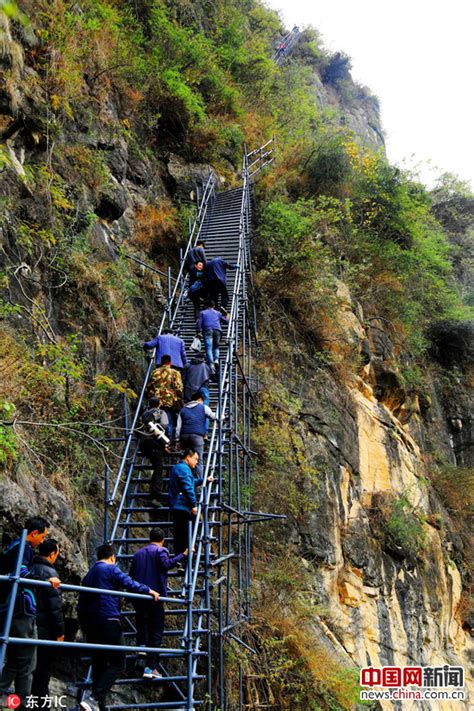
[[382, 605], [367, 437]]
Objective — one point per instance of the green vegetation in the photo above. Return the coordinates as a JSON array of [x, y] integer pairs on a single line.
[[284, 475], [399, 523], [109, 84], [293, 668], [8, 439], [353, 216]]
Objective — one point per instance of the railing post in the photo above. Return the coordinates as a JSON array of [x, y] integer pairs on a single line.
[[106, 503], [126, 414], [169, 297], [12, 600], [189, 618]]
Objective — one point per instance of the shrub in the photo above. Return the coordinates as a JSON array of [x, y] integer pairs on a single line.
[[398, 523], [335, 68], [329, 167], [8, 438], [157, 227]]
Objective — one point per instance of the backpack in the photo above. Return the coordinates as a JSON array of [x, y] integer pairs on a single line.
[[25, 603]]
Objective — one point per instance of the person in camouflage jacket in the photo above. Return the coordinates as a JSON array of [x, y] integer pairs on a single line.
[[167, 385]]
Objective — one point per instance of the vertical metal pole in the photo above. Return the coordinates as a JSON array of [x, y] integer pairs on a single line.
[[12, 600], [169, 296], [241, 687], [220, 553], [106, 504], [189, 618], [126, 414], [207, 594]]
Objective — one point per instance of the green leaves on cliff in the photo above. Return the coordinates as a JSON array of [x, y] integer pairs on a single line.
[[350, 215], [8, 439], [398, 524]]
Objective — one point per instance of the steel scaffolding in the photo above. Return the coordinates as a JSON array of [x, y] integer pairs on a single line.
[[212, 604]]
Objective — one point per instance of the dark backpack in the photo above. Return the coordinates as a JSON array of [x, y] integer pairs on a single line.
[[25, 604]]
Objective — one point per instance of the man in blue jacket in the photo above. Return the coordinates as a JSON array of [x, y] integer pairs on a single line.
[[182, 497], [197, 377], [210, 324], [150, 566], [168, 344], [99, 617], [214, 278]]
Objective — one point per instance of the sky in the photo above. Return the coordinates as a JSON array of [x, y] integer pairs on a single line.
[[417, 56]]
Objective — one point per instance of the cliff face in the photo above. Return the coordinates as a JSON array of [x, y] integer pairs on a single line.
[[386, 604], [385, 549], [384, 552]]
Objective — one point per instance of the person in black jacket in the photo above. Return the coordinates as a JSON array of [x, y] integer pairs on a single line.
[[150, 566], [214, 279], [153, 441], [49, 614], [196, 254], [21, 658], [196, 290]]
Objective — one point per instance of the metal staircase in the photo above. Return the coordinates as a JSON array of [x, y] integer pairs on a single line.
[[209, 606], [213, 600]]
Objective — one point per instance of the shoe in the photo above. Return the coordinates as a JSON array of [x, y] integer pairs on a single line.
[[142, 654], [90, 705], [151, 673]]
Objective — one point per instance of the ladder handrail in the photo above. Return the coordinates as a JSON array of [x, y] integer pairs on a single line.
[[207, 195]]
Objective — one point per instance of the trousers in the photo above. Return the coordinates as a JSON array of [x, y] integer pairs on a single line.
[[21, 659], [106, 665], [180, 529], [150, 623]]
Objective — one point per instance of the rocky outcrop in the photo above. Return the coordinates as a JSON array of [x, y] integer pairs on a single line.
[[354, 107], [384, 603]]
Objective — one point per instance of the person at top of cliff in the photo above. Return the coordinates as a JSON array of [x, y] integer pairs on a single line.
[[196, 254], [150, 565], [49, 616], [168, 344], [99, 618], [215, 280], [166, 384], [21, 659]]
